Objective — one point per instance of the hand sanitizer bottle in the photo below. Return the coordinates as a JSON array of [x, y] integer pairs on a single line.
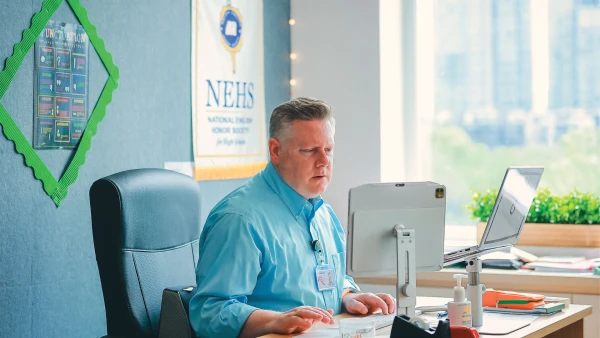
[[459, 311]]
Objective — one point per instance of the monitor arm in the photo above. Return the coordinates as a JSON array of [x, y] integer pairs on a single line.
[[406, 283], [475, 290]]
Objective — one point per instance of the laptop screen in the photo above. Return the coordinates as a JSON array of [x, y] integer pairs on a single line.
[[514, 199]]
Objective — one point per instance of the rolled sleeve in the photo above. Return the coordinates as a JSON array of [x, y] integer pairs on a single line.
[[229, 321], [349, 283], [230, 260]]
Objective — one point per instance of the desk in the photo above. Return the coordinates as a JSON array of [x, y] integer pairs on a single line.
[[517, 280], [580, 289], [569, 323]]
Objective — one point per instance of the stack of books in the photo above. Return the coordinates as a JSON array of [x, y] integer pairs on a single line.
[[522, 303], [545, 309]]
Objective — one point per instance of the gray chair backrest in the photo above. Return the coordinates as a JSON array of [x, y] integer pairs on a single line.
[[146, 226]]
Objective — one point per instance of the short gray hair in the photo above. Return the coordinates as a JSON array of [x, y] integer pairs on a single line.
[[301, 108]]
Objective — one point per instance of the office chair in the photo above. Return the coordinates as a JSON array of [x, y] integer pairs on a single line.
[[146, 226]]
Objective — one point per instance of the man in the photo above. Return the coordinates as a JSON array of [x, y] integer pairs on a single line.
[[272, 252]]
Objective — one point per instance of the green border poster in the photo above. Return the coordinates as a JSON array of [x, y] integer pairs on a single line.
[[61, 79]]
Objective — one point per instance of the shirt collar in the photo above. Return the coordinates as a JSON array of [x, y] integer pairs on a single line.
[[295, 202]]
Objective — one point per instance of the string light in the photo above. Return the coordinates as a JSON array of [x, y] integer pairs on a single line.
[[293, 57]]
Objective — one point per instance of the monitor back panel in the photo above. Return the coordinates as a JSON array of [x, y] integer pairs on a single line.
[[375, 209]]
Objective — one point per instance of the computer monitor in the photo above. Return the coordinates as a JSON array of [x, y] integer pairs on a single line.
[[374, 210]]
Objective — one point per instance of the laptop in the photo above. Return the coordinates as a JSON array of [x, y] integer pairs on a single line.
[[518, 189]]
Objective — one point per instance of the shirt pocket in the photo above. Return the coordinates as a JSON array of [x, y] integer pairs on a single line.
[[339, 264]]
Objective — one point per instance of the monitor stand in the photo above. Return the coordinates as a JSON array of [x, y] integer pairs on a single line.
[[406, 278], [406, 283]]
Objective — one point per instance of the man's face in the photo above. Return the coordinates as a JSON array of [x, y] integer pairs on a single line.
[[304, 157]]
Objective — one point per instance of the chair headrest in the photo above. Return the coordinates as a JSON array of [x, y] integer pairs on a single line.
[[147, 209]]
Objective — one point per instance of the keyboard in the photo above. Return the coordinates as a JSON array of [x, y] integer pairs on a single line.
[[382, 320]]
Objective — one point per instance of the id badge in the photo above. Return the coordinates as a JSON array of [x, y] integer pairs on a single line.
[[325, 277]]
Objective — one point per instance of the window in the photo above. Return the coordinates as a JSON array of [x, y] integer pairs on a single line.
[[514, 82]]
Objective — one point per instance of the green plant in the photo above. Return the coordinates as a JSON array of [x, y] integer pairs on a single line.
[[573, 208]]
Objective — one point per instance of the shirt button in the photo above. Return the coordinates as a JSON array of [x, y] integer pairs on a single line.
[[296, 216]]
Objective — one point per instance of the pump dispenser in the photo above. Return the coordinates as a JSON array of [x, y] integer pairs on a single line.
[[459, 311]]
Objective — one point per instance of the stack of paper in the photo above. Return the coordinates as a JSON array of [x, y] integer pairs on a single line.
[[560, 259], [563, 264], [563, 300], [523, 255]]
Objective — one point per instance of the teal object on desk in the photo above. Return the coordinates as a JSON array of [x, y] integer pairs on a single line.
[[597, 271], [549, 308]]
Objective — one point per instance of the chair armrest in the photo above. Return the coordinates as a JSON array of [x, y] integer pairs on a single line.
[[174, 312]]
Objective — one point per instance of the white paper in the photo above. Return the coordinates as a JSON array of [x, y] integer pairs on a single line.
[[501, 323], [329, 333]]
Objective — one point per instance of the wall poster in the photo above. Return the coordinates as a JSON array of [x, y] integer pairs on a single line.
[[61, 78]]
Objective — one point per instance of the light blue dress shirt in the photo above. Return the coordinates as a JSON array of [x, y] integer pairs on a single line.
[[255, 253]]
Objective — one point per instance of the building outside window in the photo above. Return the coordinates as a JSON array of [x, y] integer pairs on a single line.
[[514, 82]]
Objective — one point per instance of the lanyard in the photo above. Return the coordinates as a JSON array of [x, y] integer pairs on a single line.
[[315, 243], [318, 248]]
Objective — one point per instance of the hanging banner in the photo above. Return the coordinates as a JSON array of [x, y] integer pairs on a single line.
[[227, 89]]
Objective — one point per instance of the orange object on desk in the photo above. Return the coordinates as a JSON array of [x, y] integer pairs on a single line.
[[463, 332], [491, 298]]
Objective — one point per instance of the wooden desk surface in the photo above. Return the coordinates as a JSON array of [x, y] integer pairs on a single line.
[[541, 327], [546, 325], [527, 281]]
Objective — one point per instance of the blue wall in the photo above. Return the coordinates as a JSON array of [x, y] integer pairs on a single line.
[[49, 284]]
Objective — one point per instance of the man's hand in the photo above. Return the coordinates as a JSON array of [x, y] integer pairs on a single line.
[[365, 303], [299, 319]]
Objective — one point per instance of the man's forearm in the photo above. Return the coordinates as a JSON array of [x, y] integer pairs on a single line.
[[258, 324]]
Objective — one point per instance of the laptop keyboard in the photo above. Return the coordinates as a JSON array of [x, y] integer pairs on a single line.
[[452, 255]]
